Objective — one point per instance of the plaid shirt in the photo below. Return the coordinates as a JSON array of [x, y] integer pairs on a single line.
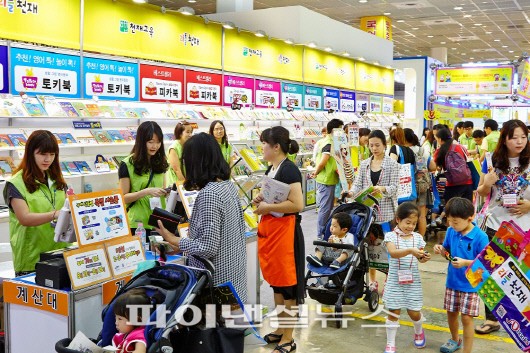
[[389, 178]]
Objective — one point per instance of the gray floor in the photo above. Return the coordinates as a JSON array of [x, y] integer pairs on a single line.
[[360, 335]]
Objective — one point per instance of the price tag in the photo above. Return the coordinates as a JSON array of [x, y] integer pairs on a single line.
[[509, 200], [405, 277]]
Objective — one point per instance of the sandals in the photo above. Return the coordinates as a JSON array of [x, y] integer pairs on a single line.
[[282, 348], [451, 346], [484, 328], [272, 338]]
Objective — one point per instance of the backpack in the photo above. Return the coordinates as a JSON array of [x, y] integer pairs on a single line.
[[423, 178], [456, 170]]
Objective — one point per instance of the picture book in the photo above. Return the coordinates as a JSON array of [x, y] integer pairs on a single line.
[[93, 109], [6, 166], [64, 170], [118, 159], [169, 137], [83, 167], [251, 159], [5, 141], [115, 136], [81, 109], [368, 197], [106, 111], [18, 140], [33, 107], [111, 163], [142, 112], [127, 136], [131, 113], [118, 111], [101, 136], [57, 138], [133, 134], [52, 106], [72, 168], [66, 138], [69, 109]]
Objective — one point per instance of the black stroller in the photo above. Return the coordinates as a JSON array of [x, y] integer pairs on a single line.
[[349, 282]]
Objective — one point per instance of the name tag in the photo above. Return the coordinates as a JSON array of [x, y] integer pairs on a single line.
[[405, 277], [155, 202], [509, 200]]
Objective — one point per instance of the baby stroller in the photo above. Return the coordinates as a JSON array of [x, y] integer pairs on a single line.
[[438, 189], [349, 282]]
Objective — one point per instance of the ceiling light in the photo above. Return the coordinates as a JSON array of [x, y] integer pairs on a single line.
[[140, 1], [388, 67], [488, 32], [363, 1], [477, 24], [229, 25], [472, 58], [312, 45], [505, 46], [376, 62], [346, 53], [442, 42], [259, 33], [289, 41], [457, 8], [400, 21], [387, 13], [188, 11], [462, 53], [510, 51], [496, 40], [192, 1], [467, 16], [415, 28], [328, 49], [430, 36], [453, 48], [362, 59]]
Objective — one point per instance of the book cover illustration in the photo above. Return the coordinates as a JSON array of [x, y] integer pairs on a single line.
[[5, 141], [251, 159], [6, 166], [81, 109], [33, 107], [118, 159], [101, 136], [133, 134], [142, 112], [106, 111], [93, 109], [169, 137], [52, 106], [72, 168], [66, 138], [18, 140], [83, 167], [118, 111], [127, 136], [69, 109], [112, 163], [115, 136], [64, 169], [131, 113]]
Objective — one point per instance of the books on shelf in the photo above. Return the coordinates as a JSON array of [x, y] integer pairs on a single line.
[[52, 106], [101, 136], [5, 141], [115, 136], [72, 168], [64, 169], [118, 159], [65, 138], [18, 140], [89, 140], [93, 109], [69, 109], [11, 106], [81, 109], [251, 159], [127, 135], [33, 107], [83, 167]]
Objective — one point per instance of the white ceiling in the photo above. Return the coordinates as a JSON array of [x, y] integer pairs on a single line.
[[482, 30]]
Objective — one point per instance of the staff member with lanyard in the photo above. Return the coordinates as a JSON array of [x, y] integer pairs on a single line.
[[218, 130], [141, 175], [34, 195]]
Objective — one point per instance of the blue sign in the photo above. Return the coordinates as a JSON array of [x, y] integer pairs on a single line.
[[4, 84], [42, 72], [347, 101], [87, 124], [110, 79], [331, 99], [292, 95], [313, 97]]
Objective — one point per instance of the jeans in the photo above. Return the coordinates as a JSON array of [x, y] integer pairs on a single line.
[[325, 201]]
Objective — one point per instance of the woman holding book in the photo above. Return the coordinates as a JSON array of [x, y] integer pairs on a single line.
[[141, 175], [35, 194], [183, 132], [218, 130], [280, 238]]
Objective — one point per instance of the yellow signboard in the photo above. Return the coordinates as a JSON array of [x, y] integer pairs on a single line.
[[371, 78], [445, 112], [524, 86], [41, 21], [328, 69], [380, 26], [245, 53], [477, 113], [142, 31], [474, 80], [431, 114]]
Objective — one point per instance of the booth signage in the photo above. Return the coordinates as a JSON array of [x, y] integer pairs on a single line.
[[474, 80], [362, 103], [313, 97], [240, 88], [431, 114], [524, 86], [111, 288], [87, 266], [388, 104], [310, 191], [376, 104], [87, 124], [37, 297], [161, 84], [42, 72], [4, 83], [292, 95], [380, 26], [267, 93], [110, 79], [347, 101], [203, 87], [374, 79], [331, 99], [124, 255], [328, 69]]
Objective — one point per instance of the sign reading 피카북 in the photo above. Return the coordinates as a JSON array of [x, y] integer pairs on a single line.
[[203, 87], [240, 88], [267, 93], [347, 101], [292, 95], [4, 84], [161, 84], [42, 72], [111, 79]]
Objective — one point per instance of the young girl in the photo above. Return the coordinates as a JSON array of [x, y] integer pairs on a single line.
[[403, 286], [130, 337]]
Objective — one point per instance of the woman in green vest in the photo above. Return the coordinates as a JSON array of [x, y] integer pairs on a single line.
[[218, 130], [183, 132], [34, 194], [141, 175]]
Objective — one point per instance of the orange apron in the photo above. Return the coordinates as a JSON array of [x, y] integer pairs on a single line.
[[276, 250]]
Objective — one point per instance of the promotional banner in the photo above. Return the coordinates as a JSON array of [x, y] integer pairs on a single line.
[[388, 105], [524, 85], [143, 31], [4, 83], [474, 80], [268, 93], [42, 72], [48, 22], [110, 79], [328, 69], [248, 54], [380, 26], [161, 84], [240, 88], [331, 99], [362, 103], [292, 95], [313, 97], [374, 79], [203, 87], [347, 101], [376, 104], [501, 274]]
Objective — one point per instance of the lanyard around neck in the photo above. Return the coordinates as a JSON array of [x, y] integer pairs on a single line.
[[397, 245]]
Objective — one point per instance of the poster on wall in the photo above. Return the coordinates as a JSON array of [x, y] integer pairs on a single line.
[[313, 97], [240, 88], [267, 94], [161, 84], [4, 84], [42, 72], [388, 104], [110, 79], [474, 80], [331, 99], [292, 95], [524, 85], [203, 87], [362, 103], [376, 104], [347, 101]]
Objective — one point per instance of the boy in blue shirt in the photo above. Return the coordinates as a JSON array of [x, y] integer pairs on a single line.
[[463, 242]]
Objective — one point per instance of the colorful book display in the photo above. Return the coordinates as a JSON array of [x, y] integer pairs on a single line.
[[33, 107], [18, 140], [115, 135], [65, 138], [101, 136], [69, 109]]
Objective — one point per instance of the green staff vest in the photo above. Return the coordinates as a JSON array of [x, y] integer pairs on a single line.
[[492, 140], [328, 175], [226, 151], [171, 174], [27, 243], [140, 210]]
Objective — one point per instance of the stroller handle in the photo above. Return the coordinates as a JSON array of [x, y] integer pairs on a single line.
[[336, 246]]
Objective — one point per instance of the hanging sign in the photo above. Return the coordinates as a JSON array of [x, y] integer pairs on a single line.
[[4, 84], [431, 114], [313, 97], [374, 79], [524, 85], [161, 84], [474, 80], [203, 87], [388, 105], [347, 101], [376, 104], [362, 103], [380, 26], [267, 93], [110, 79], [292, 95], [240, 88], [331, 99], [42, 72], [328, 69]]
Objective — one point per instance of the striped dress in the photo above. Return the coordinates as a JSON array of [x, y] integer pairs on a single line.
[[399, 296]]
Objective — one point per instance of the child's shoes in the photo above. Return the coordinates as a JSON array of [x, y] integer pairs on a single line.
[[451, 346], [390, 349], [313, 260], [335, 265], [419, 340]]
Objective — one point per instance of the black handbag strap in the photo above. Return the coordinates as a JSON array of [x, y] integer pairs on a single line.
[[151, 175]]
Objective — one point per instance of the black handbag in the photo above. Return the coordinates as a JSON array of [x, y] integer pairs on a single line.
[[169, 220]]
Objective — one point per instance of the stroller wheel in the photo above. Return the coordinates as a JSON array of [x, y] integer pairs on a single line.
[[338, 315], [373, 300]]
